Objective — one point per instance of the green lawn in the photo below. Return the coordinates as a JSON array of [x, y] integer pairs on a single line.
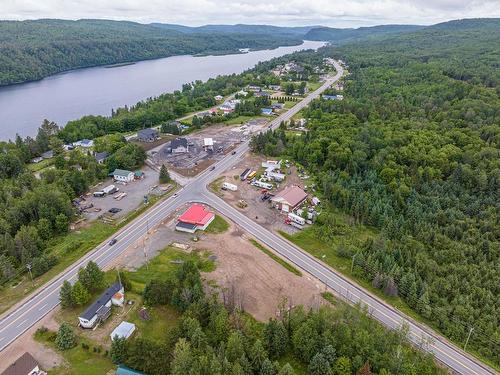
[[313, 85], [162, 319], [276, 258], [69, 249], [35, 167], [240, 120], [81, 361], [218, 225]]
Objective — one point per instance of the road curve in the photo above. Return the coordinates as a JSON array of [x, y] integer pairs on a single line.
[[29, 311]]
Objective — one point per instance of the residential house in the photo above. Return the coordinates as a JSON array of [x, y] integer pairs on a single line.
[[85, 143], [196, 217], [254, 88], [275, 87], [100, 310], [148, 135], [37, 160], [277, 106], [218, 97], [242, 93], [123, 175], [68, 147], [123, 330], [178, 145], [100, 157], [267, 111], [333, 97], [289, 198], [262, 93], [24, 365]]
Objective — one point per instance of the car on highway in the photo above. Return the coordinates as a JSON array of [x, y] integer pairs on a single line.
[[212, 168], [233, 153], [112, 242]]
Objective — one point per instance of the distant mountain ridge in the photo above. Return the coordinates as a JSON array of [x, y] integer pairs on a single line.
[[336, 35]]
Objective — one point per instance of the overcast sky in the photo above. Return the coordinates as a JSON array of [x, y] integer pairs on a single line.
[[336, 13]]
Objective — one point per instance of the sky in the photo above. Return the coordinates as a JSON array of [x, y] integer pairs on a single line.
[[334, 13]]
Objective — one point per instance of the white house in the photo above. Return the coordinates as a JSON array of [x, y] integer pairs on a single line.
[[24, 365], [123, 175], [218, 97], [86, 143], [100, 310], [208, 144]]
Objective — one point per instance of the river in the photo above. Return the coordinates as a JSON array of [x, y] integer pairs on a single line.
[[71, 95]]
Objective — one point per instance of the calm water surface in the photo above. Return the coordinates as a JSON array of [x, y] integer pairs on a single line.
[[70, 95]]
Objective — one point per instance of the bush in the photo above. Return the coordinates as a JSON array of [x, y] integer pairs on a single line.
[[66, 338]]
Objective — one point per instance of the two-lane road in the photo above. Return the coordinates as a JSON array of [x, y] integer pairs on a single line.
[[32, 309]]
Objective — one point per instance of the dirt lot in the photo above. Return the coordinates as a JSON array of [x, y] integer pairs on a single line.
[[197, 159], [258, 210], [136, 190]]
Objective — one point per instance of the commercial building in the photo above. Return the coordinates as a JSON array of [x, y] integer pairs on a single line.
[[123, 175], [100, 310], [289, 198], [208, 144], [196, 217]]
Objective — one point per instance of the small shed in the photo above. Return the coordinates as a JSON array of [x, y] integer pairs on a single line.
[[123, 175], [124, 329], [124, 370]]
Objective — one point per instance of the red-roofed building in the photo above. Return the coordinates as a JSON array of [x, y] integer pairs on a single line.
[[196, 217]]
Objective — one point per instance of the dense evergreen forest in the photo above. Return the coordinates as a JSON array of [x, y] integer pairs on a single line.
[[413, 150], [31, 50]]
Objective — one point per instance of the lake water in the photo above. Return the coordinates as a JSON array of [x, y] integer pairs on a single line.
[[69, 96]]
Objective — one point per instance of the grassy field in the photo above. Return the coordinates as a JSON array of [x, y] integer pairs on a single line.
[[313, 85], [276, 258], [69, 249], [240, 120], [36, 167], [81, 361], [219, 225]]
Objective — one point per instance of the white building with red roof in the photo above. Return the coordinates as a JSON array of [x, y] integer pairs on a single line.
[[196, 217]]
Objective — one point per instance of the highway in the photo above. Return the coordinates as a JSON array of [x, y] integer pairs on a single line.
[[25, 314]]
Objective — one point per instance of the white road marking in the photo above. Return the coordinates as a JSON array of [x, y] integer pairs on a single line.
[[20, 324]]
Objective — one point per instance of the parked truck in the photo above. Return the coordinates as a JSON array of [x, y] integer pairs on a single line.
[[229, 186], [110, 189]]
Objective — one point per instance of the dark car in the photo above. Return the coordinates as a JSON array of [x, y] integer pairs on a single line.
[[233, 153], [212, 168], [112, 242]]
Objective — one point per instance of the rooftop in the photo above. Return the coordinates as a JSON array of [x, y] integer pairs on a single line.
[[22, 366], [121, 172], [101, 301], [196, 214], [291, 195], [178, 142]]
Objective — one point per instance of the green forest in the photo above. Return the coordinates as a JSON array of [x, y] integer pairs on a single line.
[[413, 150], [31, 50]]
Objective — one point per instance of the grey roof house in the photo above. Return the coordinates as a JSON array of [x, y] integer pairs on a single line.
[[101, 157], [179, 145], [148, 135], [101, 309]]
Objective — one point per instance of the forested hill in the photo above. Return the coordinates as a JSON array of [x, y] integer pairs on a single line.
[[413, 150], [31, 50], [340, 36]]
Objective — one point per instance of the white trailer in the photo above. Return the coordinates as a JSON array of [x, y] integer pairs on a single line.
[[229, 186], [263, 185], [278, 177], [296, 219], [109, 189]]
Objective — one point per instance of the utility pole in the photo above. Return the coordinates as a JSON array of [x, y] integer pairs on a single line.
[[468, 337], [28, 266], [352, 263]]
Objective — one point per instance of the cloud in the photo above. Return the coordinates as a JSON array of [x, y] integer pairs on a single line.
[[278, 12]]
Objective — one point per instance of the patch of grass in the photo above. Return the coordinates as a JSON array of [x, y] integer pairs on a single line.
[[164, 264], [215, 185], [289, 104], [218, 225], [329, 297], [162, 319], [239, 120], [69, 249], [81, 361], [36, 167], [276, 258], [312, 86]]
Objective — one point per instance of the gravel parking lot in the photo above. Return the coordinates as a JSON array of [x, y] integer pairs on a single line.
[[135, 190]]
